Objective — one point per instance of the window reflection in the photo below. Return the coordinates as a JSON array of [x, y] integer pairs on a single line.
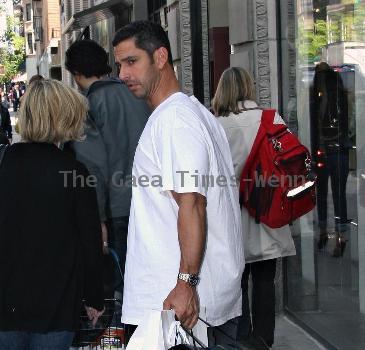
[[326, 280], [330, 148]]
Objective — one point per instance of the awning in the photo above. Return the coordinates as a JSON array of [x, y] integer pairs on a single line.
[[20, 78], [97, 13]]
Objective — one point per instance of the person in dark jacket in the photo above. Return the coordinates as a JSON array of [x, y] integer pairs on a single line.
[[330, 147], [17, 94], [5, 126], [50, 237], [115, 123]]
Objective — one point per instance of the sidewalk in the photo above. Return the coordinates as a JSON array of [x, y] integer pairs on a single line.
[[289, 336], [16, 137]]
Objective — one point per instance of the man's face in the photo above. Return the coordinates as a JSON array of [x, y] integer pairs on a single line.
[[136, 69]]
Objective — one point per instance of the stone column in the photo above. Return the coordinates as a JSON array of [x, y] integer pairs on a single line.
[[262, 53], [205, 47], [187, 82], [186, 61], [253, 37]]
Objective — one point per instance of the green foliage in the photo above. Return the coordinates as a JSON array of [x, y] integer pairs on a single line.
[[13, 56], [311, 42], [343, 26]]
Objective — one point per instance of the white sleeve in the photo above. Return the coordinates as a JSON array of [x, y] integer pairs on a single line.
[[183, 155]]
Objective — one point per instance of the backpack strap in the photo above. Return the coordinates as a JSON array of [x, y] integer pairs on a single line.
[[267, 119], [267, 122]]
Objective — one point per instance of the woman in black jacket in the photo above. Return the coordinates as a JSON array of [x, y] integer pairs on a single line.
[[50, 239]]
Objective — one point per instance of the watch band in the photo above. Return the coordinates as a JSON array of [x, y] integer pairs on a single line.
[[192, 279], [183, 276]]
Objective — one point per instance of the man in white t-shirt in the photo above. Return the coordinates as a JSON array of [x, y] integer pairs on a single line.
[[185, 248]]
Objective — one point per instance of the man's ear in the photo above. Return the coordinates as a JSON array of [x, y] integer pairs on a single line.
[[78, 80], [161, 57]]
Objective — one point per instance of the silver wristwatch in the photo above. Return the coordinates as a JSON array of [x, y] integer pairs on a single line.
[[192, 279]]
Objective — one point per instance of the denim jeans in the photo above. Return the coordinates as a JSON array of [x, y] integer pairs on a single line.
[[117, 236], [35, 341]]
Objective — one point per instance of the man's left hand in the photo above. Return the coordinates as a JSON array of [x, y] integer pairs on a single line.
[[184, 300]]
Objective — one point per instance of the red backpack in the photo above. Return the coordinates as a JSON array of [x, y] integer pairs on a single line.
[[277, 185]]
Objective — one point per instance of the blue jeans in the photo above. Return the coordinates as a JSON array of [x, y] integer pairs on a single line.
[[117, 236], [35, 341]]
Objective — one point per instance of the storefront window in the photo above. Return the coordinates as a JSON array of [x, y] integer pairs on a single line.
[[324, 98]]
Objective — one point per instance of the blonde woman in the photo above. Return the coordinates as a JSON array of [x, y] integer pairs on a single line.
[[234, 105], [50, 239]]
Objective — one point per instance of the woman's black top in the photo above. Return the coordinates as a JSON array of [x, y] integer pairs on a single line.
[[50, 240]]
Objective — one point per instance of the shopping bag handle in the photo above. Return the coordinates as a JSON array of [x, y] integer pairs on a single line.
[[217, 329], [197, 341], [115, 257]]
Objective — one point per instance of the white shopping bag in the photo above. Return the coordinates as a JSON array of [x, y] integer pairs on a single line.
[[160, 331]]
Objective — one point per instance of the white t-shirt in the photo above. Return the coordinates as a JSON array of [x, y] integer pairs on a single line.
[[182, 135]]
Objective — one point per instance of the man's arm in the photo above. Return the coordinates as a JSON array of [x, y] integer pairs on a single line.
[[191, 225]]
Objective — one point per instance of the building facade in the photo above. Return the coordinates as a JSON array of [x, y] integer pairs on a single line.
[[42, 35], [30, 49], [94, 19], [286, 45]]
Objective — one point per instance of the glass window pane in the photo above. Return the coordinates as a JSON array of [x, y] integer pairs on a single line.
[[324, 97]]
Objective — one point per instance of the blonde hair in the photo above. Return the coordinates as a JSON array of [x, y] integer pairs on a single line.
[[234, 85], [52, 112]]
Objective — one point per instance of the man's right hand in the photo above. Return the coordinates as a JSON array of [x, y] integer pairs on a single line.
[[184, 300]]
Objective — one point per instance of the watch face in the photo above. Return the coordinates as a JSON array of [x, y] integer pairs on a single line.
[[193, 280]]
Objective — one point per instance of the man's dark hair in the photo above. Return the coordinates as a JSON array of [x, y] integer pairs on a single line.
[[148, 36], [88, 58]]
